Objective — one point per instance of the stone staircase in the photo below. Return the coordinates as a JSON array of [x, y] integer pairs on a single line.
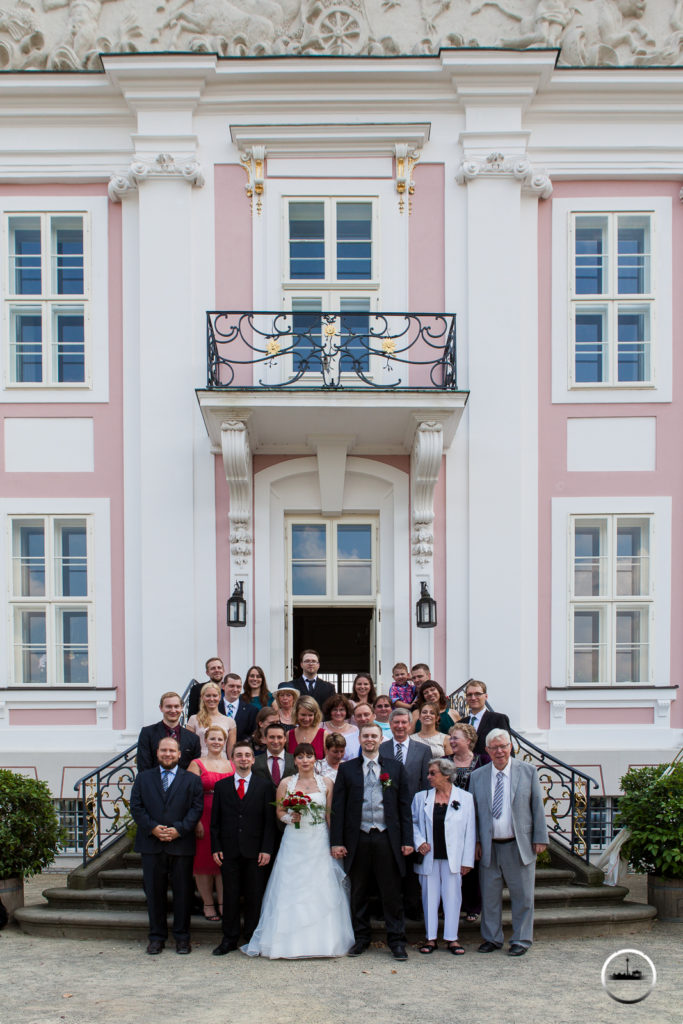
[[105, 900]]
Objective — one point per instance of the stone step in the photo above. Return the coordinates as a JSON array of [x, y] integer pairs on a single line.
[[556, 922], [121, 878], [553, 876]]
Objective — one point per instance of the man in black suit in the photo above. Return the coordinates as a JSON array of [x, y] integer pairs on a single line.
[[415, 758], [215, 670], [242, 839], [481, 718], [243, 713], [319, 689], [372, 832], [171, 708], [166, 803], [275, 764]]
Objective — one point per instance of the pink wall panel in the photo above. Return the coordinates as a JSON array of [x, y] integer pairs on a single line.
[[610, 716], [439, 594], [555, 480], [234, 276], [53, 716], [107, 479], [224, 585], [426, 257]]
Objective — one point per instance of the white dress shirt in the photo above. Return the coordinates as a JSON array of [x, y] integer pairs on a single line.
[[502, 827]]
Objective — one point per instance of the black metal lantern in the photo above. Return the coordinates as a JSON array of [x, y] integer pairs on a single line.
[[237, 606], [425, 609]]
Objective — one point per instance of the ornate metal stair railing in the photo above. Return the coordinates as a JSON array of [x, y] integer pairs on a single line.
[[566, 790], [104, 797], [332, 349]]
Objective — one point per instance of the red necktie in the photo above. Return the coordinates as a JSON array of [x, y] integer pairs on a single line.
[[240, 789], [275, 771]]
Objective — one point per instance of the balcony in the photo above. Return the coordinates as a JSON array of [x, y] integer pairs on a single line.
[[367, 376]]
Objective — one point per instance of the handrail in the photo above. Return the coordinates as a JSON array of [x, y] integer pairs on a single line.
[[104, 797], [566, 790]]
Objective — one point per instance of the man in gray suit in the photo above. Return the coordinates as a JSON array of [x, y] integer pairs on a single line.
[[511, 831], [415, 758]]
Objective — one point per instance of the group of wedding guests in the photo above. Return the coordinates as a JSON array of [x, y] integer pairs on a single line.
[[240, 735]]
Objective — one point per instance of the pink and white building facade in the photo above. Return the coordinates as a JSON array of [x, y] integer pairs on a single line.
[[540, 497]]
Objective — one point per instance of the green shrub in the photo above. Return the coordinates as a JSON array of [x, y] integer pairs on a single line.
[[652, 808], [30, 834]]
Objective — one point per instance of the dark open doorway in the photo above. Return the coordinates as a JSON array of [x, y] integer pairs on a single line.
[[342, 636]]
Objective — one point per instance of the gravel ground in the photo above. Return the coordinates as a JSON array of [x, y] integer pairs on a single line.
[[63, 981]]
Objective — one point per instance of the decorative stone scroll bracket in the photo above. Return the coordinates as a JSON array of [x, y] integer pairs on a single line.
[[236, 452], [162, 166], [498, 165], [425, 465], [406, 158], [254, 162]]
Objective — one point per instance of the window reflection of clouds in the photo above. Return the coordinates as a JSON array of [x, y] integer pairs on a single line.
[[308, 579], [354, 542], [354, 579], [308, 541]]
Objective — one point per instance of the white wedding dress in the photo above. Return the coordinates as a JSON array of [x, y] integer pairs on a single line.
[[305, 910]]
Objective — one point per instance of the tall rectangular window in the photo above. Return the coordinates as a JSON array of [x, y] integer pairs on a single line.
[[612, 299], [611, 601], [334, 560], [51, 600], [331, 268], [47, 303]]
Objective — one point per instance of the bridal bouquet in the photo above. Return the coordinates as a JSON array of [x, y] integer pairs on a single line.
[[300, 803]]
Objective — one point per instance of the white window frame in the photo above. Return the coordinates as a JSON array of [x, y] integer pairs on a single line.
[[330, 282], [660, 299], [608, 604], [94, 388], [96, 512], [330, 597], [565, 511]]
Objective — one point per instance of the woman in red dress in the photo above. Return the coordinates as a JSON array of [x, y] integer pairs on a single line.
[[210, 769], [307, 729]]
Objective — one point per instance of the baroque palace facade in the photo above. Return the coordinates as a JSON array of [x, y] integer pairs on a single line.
[[334, 300]]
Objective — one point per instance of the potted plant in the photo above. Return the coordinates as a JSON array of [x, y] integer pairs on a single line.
[[652, 810], [30, 834]]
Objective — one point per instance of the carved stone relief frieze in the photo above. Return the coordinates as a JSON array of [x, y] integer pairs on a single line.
[[71, 34], [425, 466], [238, 472]]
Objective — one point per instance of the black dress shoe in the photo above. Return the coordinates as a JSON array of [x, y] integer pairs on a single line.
[[183, 947], [225, 947], [399, 952], [155, 946], [357, 948], [488, 947], [516, 949]]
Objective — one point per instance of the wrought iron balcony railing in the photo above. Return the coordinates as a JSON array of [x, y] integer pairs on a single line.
[[331, 350]]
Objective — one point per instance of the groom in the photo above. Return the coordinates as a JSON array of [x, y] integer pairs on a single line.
[[372, 832]]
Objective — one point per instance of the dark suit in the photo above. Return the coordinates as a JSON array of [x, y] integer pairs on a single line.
[[415, 768], [241, 830], [261, 766], [489, 720], [373, 856], [149, 739], [245, 718], [180, 806], [321, 691]]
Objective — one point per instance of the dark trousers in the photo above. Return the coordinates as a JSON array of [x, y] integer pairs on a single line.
[[242, 877], [158, 870], [374, 863], [471, 894]]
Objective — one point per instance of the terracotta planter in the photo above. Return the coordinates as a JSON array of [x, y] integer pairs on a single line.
[[666, 894], [12, 894]]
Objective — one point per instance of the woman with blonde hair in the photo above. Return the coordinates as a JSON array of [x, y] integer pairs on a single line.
[[284, 699], [210, 769], [208, 714], [307, 729]]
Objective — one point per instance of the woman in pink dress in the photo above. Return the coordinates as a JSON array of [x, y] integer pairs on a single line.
[[307, 727], [210, 769]]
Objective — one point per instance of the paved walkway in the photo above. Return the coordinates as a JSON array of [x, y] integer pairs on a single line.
[[63, 981]]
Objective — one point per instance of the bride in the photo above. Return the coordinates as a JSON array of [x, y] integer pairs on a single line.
[[293, 925]]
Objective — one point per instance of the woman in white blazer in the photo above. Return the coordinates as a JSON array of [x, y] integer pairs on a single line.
[[444, 834]]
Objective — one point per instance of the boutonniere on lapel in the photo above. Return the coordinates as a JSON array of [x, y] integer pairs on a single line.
[[455, 804], [385, 779]]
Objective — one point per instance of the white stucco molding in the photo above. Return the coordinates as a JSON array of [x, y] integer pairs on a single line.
[[496, 165], [163, 165], [237, 463], [425, 465]]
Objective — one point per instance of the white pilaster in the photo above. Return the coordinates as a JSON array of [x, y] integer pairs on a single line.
[[425, 465], [237, 463]]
